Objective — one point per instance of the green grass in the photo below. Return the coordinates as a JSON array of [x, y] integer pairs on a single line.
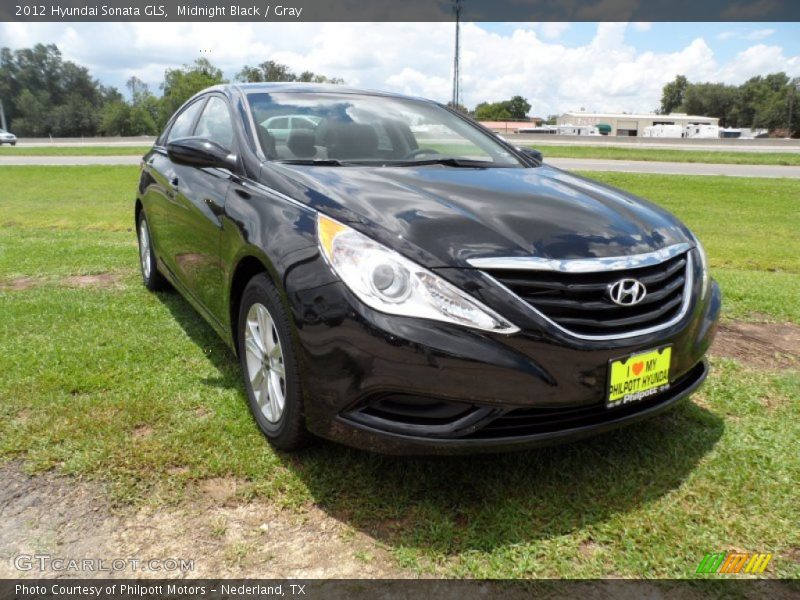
[[671, 155], [22, 150], [133, 389]]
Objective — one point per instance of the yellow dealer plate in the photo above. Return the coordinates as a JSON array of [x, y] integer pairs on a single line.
[[638, 376]]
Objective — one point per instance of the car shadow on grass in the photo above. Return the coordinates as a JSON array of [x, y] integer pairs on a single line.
[[457, 504], [477, 503]]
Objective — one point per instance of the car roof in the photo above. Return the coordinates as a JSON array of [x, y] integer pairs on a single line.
[[311, 88]]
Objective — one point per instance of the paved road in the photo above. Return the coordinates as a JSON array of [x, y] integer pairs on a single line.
[[582, 164], [727, 145], [673, 168], [770, 145]]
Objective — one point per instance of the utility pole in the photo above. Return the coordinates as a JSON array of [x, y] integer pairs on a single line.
[[2, 117], [457, 58]]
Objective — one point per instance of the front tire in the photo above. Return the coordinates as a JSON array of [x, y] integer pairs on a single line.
[[269, 366], [151, 277]]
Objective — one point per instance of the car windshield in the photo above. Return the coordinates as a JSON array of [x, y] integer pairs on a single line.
[[344, 128]]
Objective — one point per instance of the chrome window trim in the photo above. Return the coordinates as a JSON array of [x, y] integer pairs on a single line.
[[580, 265], [687, 298]]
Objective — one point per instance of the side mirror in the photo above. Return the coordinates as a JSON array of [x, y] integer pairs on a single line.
[[531, 153], [199, 152]]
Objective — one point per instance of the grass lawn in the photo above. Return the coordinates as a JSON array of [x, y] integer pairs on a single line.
[[134, 390], [670, 155], [22, 150]]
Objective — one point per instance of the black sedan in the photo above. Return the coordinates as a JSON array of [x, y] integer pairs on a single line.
[[393, 276]]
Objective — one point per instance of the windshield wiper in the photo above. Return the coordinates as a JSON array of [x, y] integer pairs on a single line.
[[319, 162], [450, 161]]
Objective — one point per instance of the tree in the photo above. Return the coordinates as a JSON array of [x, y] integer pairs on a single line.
[[714, 100], [48, 95], [764, 101], [518, 107], [492, 111], [181, 84], [673, 94], [515, 108], [272, 71]]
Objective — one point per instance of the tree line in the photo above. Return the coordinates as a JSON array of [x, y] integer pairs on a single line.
[[43, 94], [762, 102]]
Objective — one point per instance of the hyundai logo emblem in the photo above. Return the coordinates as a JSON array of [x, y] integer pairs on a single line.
[[627, 292]]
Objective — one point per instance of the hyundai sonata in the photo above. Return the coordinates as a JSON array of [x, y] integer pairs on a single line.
[[395, 277]]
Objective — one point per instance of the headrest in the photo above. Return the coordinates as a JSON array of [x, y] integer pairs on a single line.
[[351, 140], [301, 143], [267, 141]]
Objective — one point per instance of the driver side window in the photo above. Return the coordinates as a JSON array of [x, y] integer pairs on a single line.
[[215, 123], [182, 127]]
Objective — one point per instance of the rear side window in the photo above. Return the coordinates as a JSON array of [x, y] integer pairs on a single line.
[[215, 123], [182, 127]]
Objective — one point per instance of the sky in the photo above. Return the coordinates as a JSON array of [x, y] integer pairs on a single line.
[[557, 66]]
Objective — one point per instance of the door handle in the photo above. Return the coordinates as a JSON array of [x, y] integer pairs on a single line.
[[216, 209], [172, 189]]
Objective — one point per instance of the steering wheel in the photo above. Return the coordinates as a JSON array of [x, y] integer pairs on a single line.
[[420, 152]]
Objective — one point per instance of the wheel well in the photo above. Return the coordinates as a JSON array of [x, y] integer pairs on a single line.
[[247, 268], [137, 210]]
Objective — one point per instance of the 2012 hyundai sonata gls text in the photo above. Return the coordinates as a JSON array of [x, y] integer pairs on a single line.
[[394, 277]]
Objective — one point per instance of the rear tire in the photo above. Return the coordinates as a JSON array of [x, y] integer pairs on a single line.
[[269, 366], [151, 277]]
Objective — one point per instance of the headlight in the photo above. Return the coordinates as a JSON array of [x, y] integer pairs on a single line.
[[703, 267], [386, 281]]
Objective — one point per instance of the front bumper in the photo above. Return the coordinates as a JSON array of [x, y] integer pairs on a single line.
[[477, 392]]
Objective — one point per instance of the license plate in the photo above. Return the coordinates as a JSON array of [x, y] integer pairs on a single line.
[[639, 376]]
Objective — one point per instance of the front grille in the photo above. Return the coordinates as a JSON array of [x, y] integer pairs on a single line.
[[579, 302]]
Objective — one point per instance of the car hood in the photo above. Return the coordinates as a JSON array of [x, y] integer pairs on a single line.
[[444, 216]]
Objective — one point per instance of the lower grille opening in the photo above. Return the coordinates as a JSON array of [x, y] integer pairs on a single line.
[[532, 421], [416, 410]]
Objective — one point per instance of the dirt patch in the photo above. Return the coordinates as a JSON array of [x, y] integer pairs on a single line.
[[142, 431], [589, 548], [221, 489], [99, 280], [67, 518], [19, 284], [768, 346]]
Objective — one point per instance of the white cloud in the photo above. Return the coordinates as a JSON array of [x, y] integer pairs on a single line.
[[553, 30], [642, 25], [759, 34], [726, 35], [605, 73]]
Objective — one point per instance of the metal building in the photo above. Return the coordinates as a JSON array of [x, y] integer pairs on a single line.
[[621, 124]]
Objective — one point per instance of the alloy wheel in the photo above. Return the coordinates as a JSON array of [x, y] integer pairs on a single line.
[[264, 358], [144, 248]]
